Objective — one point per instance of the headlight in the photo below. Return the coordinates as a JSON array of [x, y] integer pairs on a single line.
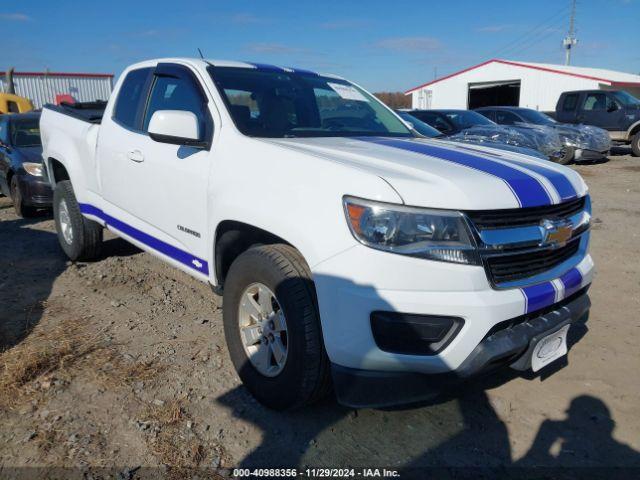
[[432, 234], [34, 169]]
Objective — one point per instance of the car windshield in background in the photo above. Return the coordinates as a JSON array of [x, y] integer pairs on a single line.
[[465, 119], [626, 98], [419, 126], [26, 133], [283, 104], [534, 116]]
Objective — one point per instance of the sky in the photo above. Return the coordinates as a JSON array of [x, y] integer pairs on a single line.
[[382, 45]]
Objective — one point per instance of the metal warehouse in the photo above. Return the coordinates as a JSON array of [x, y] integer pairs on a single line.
[[514, 83], [44, 87]]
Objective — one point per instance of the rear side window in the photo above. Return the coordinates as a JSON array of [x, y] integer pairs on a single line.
[[4, 137], [131, 98], [13, 107], [171, 93], [570, 102]]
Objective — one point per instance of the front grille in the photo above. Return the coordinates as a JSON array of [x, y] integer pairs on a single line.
[[518, 217], [510, 268]]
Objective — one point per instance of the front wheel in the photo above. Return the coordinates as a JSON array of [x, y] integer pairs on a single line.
[[272, 327], [17, 198], [565, 157], [635, 145], [79, 237]]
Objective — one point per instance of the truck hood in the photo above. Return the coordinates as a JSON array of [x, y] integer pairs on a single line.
[[441, 174]]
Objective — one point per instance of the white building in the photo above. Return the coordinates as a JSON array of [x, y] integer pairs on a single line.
[[512, 83], [45, 87]]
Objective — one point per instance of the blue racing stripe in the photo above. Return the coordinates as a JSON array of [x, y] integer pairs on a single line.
[[539, 296], [571, 281], [527, 189], [170, 251]]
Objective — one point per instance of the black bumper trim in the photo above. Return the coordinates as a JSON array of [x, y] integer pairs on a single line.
[[368, 388]]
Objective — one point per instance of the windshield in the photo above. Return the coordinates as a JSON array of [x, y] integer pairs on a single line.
[[277, 103], [419, 126], [25, 133], [464, 119], [626, 98], [534, 116]]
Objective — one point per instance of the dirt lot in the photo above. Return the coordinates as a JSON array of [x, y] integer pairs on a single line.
[[122, 363]]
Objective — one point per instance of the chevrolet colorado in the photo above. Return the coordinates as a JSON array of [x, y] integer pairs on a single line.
[[349, 253]]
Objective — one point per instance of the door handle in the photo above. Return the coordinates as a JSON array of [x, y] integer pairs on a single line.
[[135, 156]]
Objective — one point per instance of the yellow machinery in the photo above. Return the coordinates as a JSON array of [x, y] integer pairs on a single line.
[[10, 103]]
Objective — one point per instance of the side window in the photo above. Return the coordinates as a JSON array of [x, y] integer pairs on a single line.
[[595, 101], [436, 121], [12, 107], [131, 98], [506, 118], [490, 114], [570, 102], [171, 93]]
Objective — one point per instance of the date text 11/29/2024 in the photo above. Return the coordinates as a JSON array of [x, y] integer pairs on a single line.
[[316, 473]]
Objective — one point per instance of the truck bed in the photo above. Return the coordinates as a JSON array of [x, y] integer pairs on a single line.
[[91, 112]]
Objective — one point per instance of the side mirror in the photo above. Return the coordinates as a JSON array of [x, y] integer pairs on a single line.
[[177, 127]]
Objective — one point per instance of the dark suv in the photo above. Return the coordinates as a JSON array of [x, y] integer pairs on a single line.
[[616, 111]]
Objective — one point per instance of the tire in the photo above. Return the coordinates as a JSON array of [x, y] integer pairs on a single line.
[[85, 240], [566, 158], [20, 208], [304, 377], [635, 145]]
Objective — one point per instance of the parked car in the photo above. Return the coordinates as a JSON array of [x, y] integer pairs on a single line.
[[427, 130], [347, 249], [472, 127], [616, 111], [580, 142], [21, 174]]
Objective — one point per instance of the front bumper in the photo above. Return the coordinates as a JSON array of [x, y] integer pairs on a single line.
[[582, 155], [36, 191], [509, 343]]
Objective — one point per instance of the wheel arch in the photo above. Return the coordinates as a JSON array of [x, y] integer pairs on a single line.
[[633, 129], [56, 171], [232, 238]]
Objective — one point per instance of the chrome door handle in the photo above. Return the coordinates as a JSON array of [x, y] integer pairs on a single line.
[[135, 156]]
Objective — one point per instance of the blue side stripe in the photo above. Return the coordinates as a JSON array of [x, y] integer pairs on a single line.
[[539, 296], [170, 251], [527, 189], [571, 281]]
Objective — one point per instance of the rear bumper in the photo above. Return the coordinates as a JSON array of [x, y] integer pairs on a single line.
[[36, 191], [508, 344]]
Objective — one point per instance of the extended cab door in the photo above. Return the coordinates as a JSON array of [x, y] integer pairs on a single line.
[[601, 110], [160, 186]]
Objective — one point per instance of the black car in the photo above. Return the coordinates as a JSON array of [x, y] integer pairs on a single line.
[[21, 169], [580, 142], [470, 126]]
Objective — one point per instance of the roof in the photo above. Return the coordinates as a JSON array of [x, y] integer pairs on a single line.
[[59, 74], [611, 77]]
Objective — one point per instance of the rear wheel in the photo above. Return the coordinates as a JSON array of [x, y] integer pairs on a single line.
[[79, 237], [565, 157], [635, 145], [17, 198], [272, 327]]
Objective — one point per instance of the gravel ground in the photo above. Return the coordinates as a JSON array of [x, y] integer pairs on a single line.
[[122, 363]]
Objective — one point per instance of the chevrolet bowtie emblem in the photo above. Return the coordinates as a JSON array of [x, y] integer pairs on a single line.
[[555, 233]]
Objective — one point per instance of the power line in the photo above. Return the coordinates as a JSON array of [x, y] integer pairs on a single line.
[[551, 29], [532, 33]]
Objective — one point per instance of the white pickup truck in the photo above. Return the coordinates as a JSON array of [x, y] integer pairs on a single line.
[[350, 252]]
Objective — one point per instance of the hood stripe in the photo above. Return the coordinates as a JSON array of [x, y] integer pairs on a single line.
[[527, 189]]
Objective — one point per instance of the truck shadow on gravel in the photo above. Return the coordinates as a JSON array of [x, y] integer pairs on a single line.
[[30, 262], [460, 429]]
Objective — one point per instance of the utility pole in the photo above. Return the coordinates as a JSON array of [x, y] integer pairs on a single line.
[[570, 40]]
